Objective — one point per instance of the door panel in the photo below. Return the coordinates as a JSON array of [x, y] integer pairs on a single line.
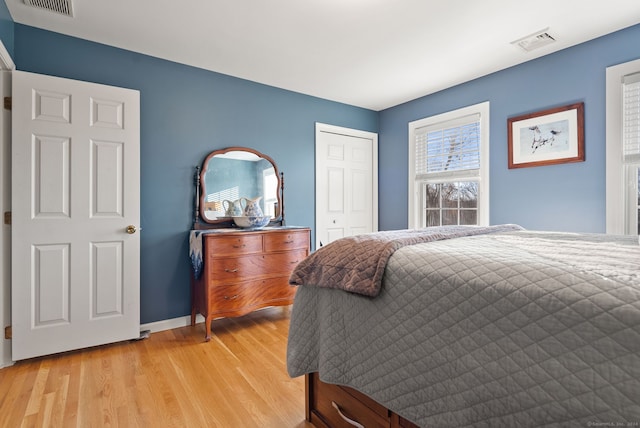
[[75, 269], [335, 181], [106, 279], [51, 285], [107, 178]]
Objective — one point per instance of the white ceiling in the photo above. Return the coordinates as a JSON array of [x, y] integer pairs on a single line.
[[368, 53]]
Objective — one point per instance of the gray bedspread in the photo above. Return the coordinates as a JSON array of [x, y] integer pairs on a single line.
[[512, 329]]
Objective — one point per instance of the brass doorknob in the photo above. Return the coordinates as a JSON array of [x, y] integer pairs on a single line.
[[131, 229]]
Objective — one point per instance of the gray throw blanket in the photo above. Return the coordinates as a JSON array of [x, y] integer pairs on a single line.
[[356, 264]]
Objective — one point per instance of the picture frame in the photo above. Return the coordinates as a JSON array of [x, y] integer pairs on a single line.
[[547, 137]]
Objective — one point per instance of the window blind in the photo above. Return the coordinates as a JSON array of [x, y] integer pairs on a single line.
[[448, 148], [631, 118]]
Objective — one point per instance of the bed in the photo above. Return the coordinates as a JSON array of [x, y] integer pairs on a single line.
[[470, 326]]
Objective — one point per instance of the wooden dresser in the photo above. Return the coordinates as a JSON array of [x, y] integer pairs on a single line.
[[245, 270], [333, 406]]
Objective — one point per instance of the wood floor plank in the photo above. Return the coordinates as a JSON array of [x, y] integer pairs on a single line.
[[13, 407], [172, 379]]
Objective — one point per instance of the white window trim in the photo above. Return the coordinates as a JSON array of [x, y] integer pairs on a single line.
[[415, 214], [619, 215]]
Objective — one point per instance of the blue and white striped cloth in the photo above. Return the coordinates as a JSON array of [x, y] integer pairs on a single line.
[[195, 252]]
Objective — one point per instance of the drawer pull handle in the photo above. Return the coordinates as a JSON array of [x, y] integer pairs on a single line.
[[239, 246], [231, 270], [289, 242], [346, 419], [234, 297]]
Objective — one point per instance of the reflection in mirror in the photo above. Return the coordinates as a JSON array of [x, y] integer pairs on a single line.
[[230, 178]]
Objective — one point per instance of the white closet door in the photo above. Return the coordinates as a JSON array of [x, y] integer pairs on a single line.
[[346, 183]]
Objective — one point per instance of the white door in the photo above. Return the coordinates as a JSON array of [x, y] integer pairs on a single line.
[[346, 183], [75, 191]]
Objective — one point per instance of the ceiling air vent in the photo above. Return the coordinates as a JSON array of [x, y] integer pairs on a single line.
[[535, 40], [60, 6]]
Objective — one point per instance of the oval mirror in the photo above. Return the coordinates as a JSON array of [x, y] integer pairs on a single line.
[[232, 174]]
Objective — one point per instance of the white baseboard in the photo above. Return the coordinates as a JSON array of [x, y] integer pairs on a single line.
[[170, 323]]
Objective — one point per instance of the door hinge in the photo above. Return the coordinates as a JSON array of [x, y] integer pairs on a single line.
[[7, 332], [7, 217], [7, 103]]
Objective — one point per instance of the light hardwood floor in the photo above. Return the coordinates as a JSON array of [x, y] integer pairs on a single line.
[[172, 379]]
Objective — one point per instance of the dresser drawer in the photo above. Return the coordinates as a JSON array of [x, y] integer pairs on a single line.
[[233, 245], [244, 296], [230, 269], [289, 240], [334, 404]]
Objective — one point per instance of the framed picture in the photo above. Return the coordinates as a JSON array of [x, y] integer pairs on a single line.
[[547, 137]]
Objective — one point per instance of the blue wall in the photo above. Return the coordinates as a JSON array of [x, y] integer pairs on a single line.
[[6, 28], [187, 112], [567, 197]]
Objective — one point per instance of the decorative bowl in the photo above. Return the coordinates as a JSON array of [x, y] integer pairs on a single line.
[[251, 222]]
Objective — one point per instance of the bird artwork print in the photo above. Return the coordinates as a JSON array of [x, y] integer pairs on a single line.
[[540, 139]]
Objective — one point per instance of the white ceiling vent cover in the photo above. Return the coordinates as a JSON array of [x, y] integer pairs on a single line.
[[60, 6], [535, 40]]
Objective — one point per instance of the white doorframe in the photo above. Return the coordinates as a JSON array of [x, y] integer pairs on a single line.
[[325, 128], [6, 66]]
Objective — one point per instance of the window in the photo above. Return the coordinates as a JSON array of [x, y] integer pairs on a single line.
[[623, 149], [271, 189], [449, 168]]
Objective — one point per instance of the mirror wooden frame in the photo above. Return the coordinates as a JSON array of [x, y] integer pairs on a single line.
[[201, 222]]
